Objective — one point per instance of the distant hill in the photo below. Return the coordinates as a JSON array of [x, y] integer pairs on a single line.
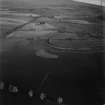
[[33, 4], [29, 3], [12, 3]]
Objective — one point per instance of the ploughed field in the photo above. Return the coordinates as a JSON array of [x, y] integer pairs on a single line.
[[53, 40], [71, 29]]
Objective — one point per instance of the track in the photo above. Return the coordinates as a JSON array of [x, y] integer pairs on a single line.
[[20, 26]]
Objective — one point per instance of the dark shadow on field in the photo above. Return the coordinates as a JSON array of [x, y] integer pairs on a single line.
[[78, 77]]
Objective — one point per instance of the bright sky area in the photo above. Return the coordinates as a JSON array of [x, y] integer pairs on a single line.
[[97, 2], [46, 2]]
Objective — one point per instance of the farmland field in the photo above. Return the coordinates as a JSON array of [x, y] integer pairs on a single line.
[[53, 40]]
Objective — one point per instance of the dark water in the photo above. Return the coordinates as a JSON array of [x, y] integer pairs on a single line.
[[82, 79]]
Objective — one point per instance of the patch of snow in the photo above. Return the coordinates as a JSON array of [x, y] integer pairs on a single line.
[[13, 89], [42, 26], [80, 21], [18, 14], [6, 19], [60, 100], [42, 96], [30, 34], [31, 93], [45, 54], [60, 17], [1, 85]]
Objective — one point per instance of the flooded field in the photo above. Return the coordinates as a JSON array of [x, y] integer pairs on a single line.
[[54, 51]]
